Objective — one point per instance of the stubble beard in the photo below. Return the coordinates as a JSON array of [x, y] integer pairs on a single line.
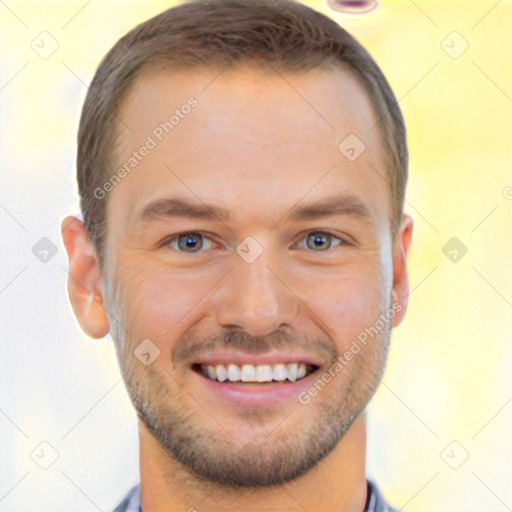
[[218, 458]]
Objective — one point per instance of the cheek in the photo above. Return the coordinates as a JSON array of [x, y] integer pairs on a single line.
[[350, 301], [159, 301]]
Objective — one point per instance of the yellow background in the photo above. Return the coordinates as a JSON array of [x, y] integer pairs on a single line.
[[448, 377]]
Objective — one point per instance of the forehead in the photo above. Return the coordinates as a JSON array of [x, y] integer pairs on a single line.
[[251, 140]]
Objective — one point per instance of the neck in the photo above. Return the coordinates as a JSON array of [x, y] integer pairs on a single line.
[[336, 483]]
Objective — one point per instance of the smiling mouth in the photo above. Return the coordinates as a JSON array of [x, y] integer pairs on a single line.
[[251, 374]]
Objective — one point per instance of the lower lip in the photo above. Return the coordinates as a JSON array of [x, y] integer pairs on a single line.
[[265, 393]]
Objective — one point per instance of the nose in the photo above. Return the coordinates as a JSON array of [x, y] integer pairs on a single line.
[[255, 298]]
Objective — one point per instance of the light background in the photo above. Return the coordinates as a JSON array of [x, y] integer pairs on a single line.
[[448, 377]]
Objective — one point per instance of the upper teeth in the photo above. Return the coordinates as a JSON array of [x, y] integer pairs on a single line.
[[259, 373]]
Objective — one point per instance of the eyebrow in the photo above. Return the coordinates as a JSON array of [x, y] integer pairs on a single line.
[[180, 207], [340, 204]]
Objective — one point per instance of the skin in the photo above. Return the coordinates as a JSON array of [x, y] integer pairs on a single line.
[[258, 148]]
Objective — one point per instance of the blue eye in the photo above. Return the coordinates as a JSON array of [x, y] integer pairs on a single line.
[[190, 242], [321, 240]]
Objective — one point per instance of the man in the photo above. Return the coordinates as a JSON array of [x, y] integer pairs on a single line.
[[241, 168]]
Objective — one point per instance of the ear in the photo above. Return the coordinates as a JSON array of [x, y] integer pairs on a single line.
[[85, 280], [400, 293]]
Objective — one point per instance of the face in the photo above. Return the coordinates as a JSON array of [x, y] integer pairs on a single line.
[[245, 244]]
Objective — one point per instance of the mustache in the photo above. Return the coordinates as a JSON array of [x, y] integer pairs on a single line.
[[189, 347]]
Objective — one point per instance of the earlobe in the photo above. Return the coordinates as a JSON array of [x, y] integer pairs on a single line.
[[84, 279], [400, 292]]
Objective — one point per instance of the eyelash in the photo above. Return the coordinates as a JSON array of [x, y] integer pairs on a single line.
[[166, 242]]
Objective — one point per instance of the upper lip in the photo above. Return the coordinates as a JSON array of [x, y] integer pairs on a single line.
[[241, 358]]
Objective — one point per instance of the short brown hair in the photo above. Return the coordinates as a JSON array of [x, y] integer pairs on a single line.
[[280, 34]]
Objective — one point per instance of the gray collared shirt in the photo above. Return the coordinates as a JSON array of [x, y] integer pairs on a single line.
[[374, 501]]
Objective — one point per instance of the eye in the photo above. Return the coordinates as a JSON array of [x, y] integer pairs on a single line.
[[320, 241], [190, 242]]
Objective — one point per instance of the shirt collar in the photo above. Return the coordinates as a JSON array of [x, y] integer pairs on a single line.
[[374, 500]]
